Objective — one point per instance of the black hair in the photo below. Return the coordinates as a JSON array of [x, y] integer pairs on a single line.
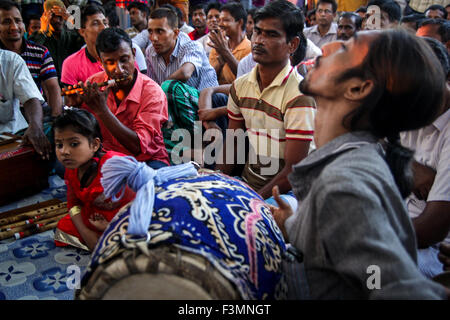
[[332, 2], [177, 11], [437, 7], [237, 11], [289, 14], [109, 39], [252, 13], [395, 62], [90, 10], [361, 9], [443, 27], [142, 7], [391, 7], [167, 13], [196, 7], [213, 5], [111, 14], [356, 18], [415, 17], [441, 53], [8, 5], [81, 121], [300, 53]]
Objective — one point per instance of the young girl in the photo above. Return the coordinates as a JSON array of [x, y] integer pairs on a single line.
[[79, 149]]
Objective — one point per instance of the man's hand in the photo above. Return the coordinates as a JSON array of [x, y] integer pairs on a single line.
[[94, 97], [35, 136], [208, 114], [280, 213], [423, 180], [219, 42]]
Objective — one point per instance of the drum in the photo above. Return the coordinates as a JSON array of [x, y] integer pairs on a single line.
[[22, 171], [210, 237]]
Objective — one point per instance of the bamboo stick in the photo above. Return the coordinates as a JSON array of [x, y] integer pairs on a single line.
[[26, 233], [37, 224], [45, 212], [33, 220]]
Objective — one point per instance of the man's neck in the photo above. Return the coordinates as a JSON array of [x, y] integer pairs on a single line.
[[267, 73], [14, 46], [323, 29], [92, 51], [200, 30], [328, 120], [235, 40], [141, 26], [167, 55]]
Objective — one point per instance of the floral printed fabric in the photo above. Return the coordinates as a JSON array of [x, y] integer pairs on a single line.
[[219, 218]]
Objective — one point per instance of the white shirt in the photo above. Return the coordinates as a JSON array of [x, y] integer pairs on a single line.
[[432, 148], [186, 28], [312, 50], [16, 87]]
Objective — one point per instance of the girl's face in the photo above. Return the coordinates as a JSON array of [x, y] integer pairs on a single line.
[[73, 149]]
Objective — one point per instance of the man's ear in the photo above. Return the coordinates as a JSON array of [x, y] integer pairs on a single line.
[[134, 51], [81, 31], [176, 31], [358, 89], [293, 44]]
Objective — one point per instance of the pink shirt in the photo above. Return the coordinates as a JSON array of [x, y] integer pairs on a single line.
[[144, 111], [79, 66]]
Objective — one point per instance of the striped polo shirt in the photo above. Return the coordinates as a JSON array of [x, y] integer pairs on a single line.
[[38, 60], [278, 113]]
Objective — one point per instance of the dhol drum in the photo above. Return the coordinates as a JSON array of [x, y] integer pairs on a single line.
[[210, 237]]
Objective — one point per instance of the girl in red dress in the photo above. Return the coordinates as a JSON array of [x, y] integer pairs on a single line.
[[79, 149]]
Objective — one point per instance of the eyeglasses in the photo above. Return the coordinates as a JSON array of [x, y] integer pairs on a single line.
[[327, 11]]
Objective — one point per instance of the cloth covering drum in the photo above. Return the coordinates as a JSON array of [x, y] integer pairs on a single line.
[[212, 231]]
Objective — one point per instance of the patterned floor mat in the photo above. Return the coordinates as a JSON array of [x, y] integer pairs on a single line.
[[34, 268]]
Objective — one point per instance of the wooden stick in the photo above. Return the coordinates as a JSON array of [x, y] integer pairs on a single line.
[[33, 220], [6, 233], [75, 89], [26, 233], [46, 211]]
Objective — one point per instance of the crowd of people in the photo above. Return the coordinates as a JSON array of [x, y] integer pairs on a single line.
[[343, 114]]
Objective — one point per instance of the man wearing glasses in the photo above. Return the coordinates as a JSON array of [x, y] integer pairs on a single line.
[[325, 30]]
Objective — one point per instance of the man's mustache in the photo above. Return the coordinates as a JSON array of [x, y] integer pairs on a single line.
[[259, 48]]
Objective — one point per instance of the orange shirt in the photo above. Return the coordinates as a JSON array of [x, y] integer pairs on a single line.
[[226, 75], [350, 5]]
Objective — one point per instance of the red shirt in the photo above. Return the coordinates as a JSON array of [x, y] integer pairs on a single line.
[[91, 198], [144, 111], [194, 34]]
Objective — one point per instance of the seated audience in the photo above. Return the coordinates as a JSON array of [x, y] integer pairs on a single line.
[[438, 29], [229, 43], [348, 24], [411, 22], [86, 61], [325, 30], [436, 12], [199, 22], [212, 22], [55, 36], [37, 57], [139, 13], [429, 203]]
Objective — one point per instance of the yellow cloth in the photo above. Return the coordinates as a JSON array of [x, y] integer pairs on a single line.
[[226, 76], [350, 5]]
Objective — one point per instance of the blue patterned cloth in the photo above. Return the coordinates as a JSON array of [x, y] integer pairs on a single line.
[[219, 218]]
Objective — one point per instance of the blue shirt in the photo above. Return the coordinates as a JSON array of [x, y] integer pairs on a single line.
[[185, 51]]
